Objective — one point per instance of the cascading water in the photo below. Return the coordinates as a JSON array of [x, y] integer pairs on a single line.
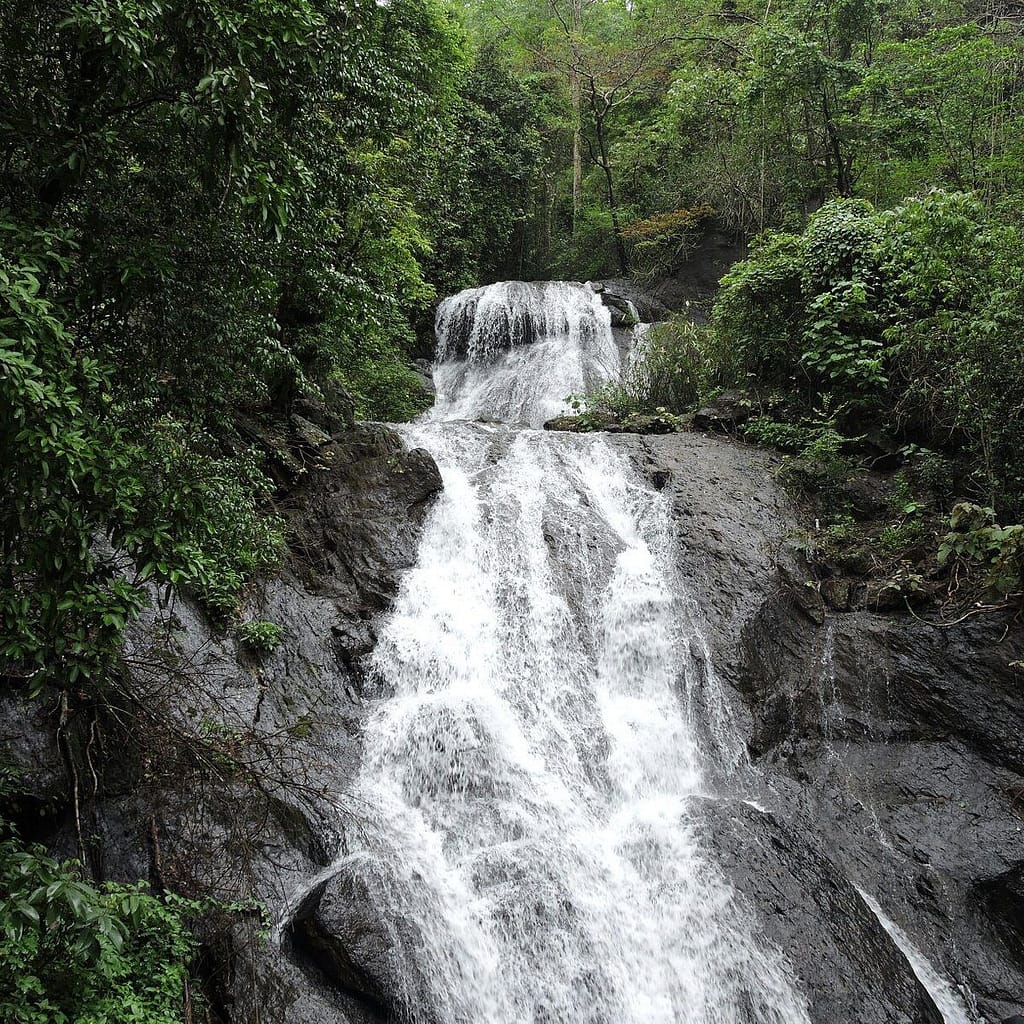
[[549, 723], [514, 351], [951, 1003]]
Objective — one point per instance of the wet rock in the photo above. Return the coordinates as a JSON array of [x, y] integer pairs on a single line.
[[845, 963], [867, 495], [621, 315], [857, 561], [336, 928], [809, 600], [724, 413], [885, 596], [341, 928], [836, 594], [356, 524], [268, 986], [28, 741], [308, 433], [1002, 898], [640, 304]]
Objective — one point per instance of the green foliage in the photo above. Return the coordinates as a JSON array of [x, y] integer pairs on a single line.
[[759, 113], [976, 539], [908, 317], [586, 252], [660, 244], [912, 529], [262, 637], [671, 367], [76, 953], [757, 315], [193, 517], [76, 466], [487, 170], [821, 465], [771, 433], [668, 372], [205, 210]]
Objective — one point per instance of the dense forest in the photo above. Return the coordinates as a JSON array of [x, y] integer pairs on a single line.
[[210, 211]]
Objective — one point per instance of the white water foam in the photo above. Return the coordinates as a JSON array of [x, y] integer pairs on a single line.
[[515, 352]]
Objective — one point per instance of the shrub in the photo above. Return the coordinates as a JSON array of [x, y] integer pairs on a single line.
[[787, 437], [910, 319], [976, 539], [263, 637], [821, 465], [670, 367], [661, 243], [669, 371], [74, 952], [758, 314]]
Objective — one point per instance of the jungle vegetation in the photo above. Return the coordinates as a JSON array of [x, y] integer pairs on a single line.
[[209, 209]]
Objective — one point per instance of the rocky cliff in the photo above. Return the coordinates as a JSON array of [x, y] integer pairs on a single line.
[[889, 748]]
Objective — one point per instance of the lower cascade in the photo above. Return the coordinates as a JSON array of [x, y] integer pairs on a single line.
[[549, 721]]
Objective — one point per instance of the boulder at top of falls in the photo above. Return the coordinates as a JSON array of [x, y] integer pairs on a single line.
[[845, 962], [623, 291]]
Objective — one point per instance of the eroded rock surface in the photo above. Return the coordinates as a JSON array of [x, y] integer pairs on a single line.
[[893, 742], [845, 962], [230, 776]]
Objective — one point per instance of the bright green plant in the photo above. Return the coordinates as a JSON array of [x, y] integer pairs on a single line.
[[976, 539], [76, 953], [907, 319], [787, 437], [671, 367], [263, 637], [821, 465]]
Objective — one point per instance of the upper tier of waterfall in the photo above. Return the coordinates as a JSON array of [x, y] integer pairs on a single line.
[[515, 352]]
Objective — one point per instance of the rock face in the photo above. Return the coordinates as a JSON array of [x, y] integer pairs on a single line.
[[355, 527], [846, 964], [229, 778], [725, 413], [629, 304], [893, 744], [890, 751]]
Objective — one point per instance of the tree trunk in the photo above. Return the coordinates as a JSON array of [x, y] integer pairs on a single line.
[[577, 118], [602, 151]]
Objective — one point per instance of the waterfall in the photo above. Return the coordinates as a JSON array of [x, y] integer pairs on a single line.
[[549, 718], [514, 352]]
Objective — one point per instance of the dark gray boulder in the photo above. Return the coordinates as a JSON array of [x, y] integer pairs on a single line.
[[845, 963], [725, 413]]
